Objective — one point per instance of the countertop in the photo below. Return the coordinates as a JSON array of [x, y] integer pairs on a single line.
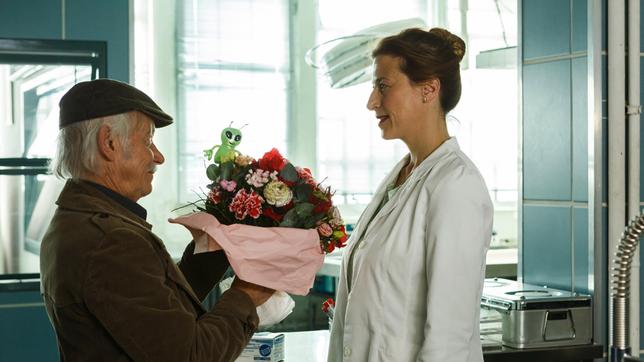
[[499, 262], [311, 346]]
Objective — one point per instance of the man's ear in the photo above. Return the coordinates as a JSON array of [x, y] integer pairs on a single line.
[[107, 143]]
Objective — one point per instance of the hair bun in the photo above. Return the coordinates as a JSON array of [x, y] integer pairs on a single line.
[[456, 43]]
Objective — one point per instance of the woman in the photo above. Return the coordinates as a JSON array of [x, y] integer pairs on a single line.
[[412, 276]]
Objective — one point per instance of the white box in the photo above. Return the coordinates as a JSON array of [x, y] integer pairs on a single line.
[[264, 346]]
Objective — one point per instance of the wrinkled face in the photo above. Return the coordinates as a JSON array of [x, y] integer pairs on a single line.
[[136, 165], [396, 101], [231, 137]]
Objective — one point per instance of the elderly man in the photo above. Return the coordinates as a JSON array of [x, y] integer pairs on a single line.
[[111, 290]]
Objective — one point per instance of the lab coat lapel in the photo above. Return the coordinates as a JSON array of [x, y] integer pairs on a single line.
[[367, 215], [420, 173]]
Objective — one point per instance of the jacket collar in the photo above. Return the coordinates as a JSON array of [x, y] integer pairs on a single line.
[[80, 195], [124, 201]]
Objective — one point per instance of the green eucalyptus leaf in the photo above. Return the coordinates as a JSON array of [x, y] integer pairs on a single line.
[[213, 172], [289, 173], [290, 219], [310, 222], [304, 209], [303, 192]]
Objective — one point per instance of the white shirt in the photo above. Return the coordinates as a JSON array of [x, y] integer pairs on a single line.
[[418, 271]]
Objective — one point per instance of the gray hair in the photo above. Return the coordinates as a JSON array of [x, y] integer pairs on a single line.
[[77, 144]]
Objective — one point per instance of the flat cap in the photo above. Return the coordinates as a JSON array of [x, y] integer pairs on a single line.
[[107, 97]]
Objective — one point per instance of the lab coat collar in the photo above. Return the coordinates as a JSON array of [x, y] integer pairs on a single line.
[[419, 173]]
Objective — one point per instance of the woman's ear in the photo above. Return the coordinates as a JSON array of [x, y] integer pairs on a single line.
[[431, 90], [107, 143]]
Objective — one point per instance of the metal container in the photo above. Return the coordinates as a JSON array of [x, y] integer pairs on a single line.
[[535, 316]]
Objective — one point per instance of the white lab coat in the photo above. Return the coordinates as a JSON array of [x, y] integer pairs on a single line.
[[418, 271]]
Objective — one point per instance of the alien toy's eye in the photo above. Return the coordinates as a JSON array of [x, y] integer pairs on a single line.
[[229, 135], [237, 138]]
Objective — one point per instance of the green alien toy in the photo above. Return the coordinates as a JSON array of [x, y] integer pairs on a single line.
[[230, 138]]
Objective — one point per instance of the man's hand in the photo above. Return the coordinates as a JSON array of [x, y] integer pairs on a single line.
[[257, 293]]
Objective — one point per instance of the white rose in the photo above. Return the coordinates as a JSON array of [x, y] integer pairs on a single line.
[[243, 160], [277, 193]]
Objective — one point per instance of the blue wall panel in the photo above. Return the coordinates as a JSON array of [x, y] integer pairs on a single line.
[[103, 20], [547, 245], [546, 131], [35, 19], [84, 20], [546, 28], [25, 331], [579, 25]]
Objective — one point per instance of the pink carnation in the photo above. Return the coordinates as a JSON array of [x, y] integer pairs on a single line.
[[228, 185]]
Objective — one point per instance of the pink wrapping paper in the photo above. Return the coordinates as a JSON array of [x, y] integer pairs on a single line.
[[285, 259]]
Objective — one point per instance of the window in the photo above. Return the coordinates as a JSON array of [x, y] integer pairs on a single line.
[[484, 122], [233, 66], [358, 158], [34, 75], [232, 60]]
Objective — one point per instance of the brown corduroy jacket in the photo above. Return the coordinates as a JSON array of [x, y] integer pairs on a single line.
[[113, 293]]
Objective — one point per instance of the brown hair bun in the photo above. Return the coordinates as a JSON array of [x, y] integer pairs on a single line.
[[457, 44]]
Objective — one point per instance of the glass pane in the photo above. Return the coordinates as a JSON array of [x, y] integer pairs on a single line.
[[26, 208], [233, 66], [211, 32], [29, 96], [255, 101], [484, 122], [358, 158]]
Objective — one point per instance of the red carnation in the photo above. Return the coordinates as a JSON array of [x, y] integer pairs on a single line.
[[244, 204], [254, 205], [214, 195], [272, 161]]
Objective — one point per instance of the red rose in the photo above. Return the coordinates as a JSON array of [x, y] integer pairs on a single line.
[[322, 206], [271, 214], [305, 174], [288, 206], [272, 161]]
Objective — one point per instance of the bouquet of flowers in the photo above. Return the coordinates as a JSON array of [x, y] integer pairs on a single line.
[[273, 220], [272, 192]]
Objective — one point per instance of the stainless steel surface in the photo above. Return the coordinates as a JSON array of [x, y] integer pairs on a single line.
[[534, 316]]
